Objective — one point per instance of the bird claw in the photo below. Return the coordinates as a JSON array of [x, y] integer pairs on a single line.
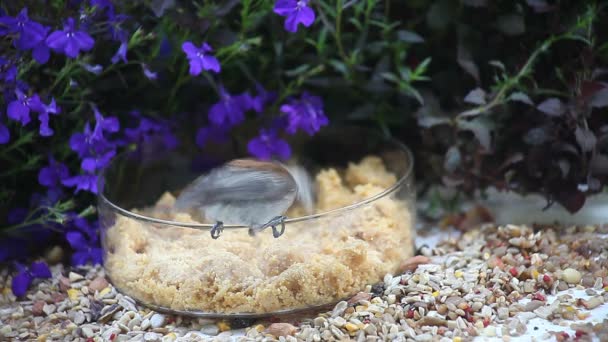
[[217, 229], [279, 220]]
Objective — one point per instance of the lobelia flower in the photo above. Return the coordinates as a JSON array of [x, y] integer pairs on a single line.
[[70, 41], [31, 35], [97, 162], [305, 114], [52, 175], [148, 73], [43, 117], [121, 53], [296, 11], [109, 124], [230, 110], [84, 240], [268, 144], [86, 182], [262, 98], [200, 58], [25, 276], [19, 109]]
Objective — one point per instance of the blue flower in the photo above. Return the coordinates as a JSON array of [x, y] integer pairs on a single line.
[[70, 41], [86, 182], [268, 145], [148, 73], [230, 110], [109, 124], [43, 117], [305, 113], [84, 240], [200, 58], [262, 98], [19, 109], [31, 35], [52, 175], [296, 11], [121, 53], [22, 281]]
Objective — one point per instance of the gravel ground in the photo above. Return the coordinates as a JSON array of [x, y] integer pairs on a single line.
[[491, 283]]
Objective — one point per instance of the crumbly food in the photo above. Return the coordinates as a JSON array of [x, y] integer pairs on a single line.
[[315, 262]]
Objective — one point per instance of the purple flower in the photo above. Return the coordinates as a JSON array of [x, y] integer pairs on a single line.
[[70, 41], [94, 163], [19, 109], [52, 175], [296, 11], [85, 242], [262, 98], [43, 117], [109, 124], [86, 182], [94, 69], [121, 53], [148, 73], [305, 114], [200, 58], [268, 144], [25, 276], [230, 110]]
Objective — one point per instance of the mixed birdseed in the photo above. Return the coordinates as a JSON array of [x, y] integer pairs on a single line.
[[489, 282]]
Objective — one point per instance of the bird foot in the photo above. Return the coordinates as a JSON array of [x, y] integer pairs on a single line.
[[217, 229], [276, 221]]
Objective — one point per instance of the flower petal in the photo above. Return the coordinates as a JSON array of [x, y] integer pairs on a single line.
[[210, 63], [57, 40], [40, 270], [259, 149], [190, 50], [41, 53], [306, 16], [71, 48], [84, 41], [196, 66], [285, 7], [80, 258], [21, 282], [19, 112], [282, 149], [76, 240]]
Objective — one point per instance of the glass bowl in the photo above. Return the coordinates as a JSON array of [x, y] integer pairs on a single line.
[[361, 230]]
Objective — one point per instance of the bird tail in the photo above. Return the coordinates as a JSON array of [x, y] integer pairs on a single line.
[[304, 184]]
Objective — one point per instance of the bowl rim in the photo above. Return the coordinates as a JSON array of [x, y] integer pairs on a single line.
[[207, 226]]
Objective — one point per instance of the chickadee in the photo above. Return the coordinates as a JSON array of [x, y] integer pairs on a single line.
[[248, 192]]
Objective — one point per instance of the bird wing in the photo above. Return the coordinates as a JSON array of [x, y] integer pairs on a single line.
[[235, 183]]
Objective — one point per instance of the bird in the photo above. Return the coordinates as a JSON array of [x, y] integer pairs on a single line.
[[248, 192]]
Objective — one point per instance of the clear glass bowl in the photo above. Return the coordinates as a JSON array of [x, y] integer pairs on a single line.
[[362, 229]]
